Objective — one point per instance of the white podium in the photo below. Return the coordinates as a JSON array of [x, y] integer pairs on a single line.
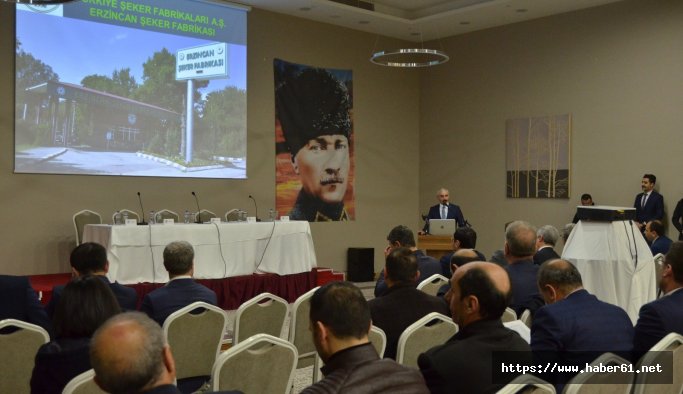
[[615, 263]]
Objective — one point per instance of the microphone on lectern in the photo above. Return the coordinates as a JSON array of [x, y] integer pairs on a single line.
[[142, 223], [199, 211], [255, 208]]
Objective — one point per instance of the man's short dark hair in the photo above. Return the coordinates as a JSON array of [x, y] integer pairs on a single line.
[[492, 301], [467, 237], [178, 257], [403, 235], [342, 308], [657, 227], [401, 265], [674, 258], [310, 104], [651, 178], [133, 373], [86, 303], [88, 257], [562, 274], [521, 238], [586, 196]]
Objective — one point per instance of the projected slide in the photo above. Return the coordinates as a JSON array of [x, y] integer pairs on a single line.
[[136, 88]]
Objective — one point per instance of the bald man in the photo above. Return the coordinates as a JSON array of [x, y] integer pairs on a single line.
[[458, 259], [520, 247], [478, 296]]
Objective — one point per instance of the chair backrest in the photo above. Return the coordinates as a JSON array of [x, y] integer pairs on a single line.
[[17, 354], [648, 383], [659, 268], [432, 330], [263, 314], [527, 384], [166, 214], [195, 338], [232, 215], [602, 382], [508, 315], [259, 364], [378, 339], [81, 218], [83, 384], [432, 284], [204, 216], [299, 333], [526, 318], [129, 213]]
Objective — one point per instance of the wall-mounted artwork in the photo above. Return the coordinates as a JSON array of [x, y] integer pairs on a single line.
[[537, 154]]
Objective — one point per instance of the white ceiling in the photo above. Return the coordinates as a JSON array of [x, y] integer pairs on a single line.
[[422, 20]]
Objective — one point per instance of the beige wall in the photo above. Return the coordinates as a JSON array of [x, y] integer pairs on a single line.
[[38, 208], [617, 69]]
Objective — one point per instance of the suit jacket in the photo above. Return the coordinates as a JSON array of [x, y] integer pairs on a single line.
[[454, 212], [657, 319], [176, 294], [464, 363], [59, 361], [359, 370], [653, 209], [399, 307], [126, 296], [677, 217], [544, 254], [661, 245], [427, 266], [577, 330], [523, 283], [19, 301]]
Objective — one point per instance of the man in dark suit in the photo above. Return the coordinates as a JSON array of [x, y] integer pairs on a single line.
[[19, 301], [665, 315], [463, 238], [520, 246], [464, 364], [444, 210], [677, 219], [546, 238], [181, 290], [90, 258], [402, 304], [659, 242], [402, 236], [649, 204], [575, 327], [586, 200]]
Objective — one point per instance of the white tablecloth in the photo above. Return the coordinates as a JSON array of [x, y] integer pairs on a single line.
[[615, 263], [221, 250]]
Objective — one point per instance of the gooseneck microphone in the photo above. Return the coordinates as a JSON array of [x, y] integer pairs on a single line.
[[255, 207], [199, 211], [142, 223]]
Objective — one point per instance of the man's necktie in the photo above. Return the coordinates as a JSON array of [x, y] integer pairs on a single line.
[[443, 212], [644, 201]]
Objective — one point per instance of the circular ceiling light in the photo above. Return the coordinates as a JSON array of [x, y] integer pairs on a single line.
[[409, 57], [38, 2]]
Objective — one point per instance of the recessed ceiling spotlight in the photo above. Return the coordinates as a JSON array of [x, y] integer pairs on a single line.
[[465, 22], [520, 10], [305, 9], [363, 22]]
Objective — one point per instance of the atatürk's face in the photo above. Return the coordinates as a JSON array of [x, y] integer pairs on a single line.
[[323, 165]]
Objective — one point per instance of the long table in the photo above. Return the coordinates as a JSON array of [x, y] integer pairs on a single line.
[[221, 250]]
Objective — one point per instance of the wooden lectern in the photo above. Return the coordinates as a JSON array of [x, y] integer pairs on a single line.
[[435, 245]]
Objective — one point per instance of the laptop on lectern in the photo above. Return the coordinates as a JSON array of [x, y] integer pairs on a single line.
[[441, 226]]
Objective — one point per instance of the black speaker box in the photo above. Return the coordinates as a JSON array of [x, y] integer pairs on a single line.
[[360, 264]]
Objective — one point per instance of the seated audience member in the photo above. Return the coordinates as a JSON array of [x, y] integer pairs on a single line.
[[478, 296], [86, 303], [402, 304], [459, 258], [19, 301], [520, 246], [586, 200], [402, 236], [463, 238], [181, 290], [677, 219], [574, 325], [656, 237], [567, 231], [90, 258], [546, 238], [665, 315], [340, 322], [498, 256]]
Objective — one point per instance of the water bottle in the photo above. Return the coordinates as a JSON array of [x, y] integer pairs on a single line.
[[152, 217], [272, 215], [243, 216], [187, 217], [117, 218], [125, 217]]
